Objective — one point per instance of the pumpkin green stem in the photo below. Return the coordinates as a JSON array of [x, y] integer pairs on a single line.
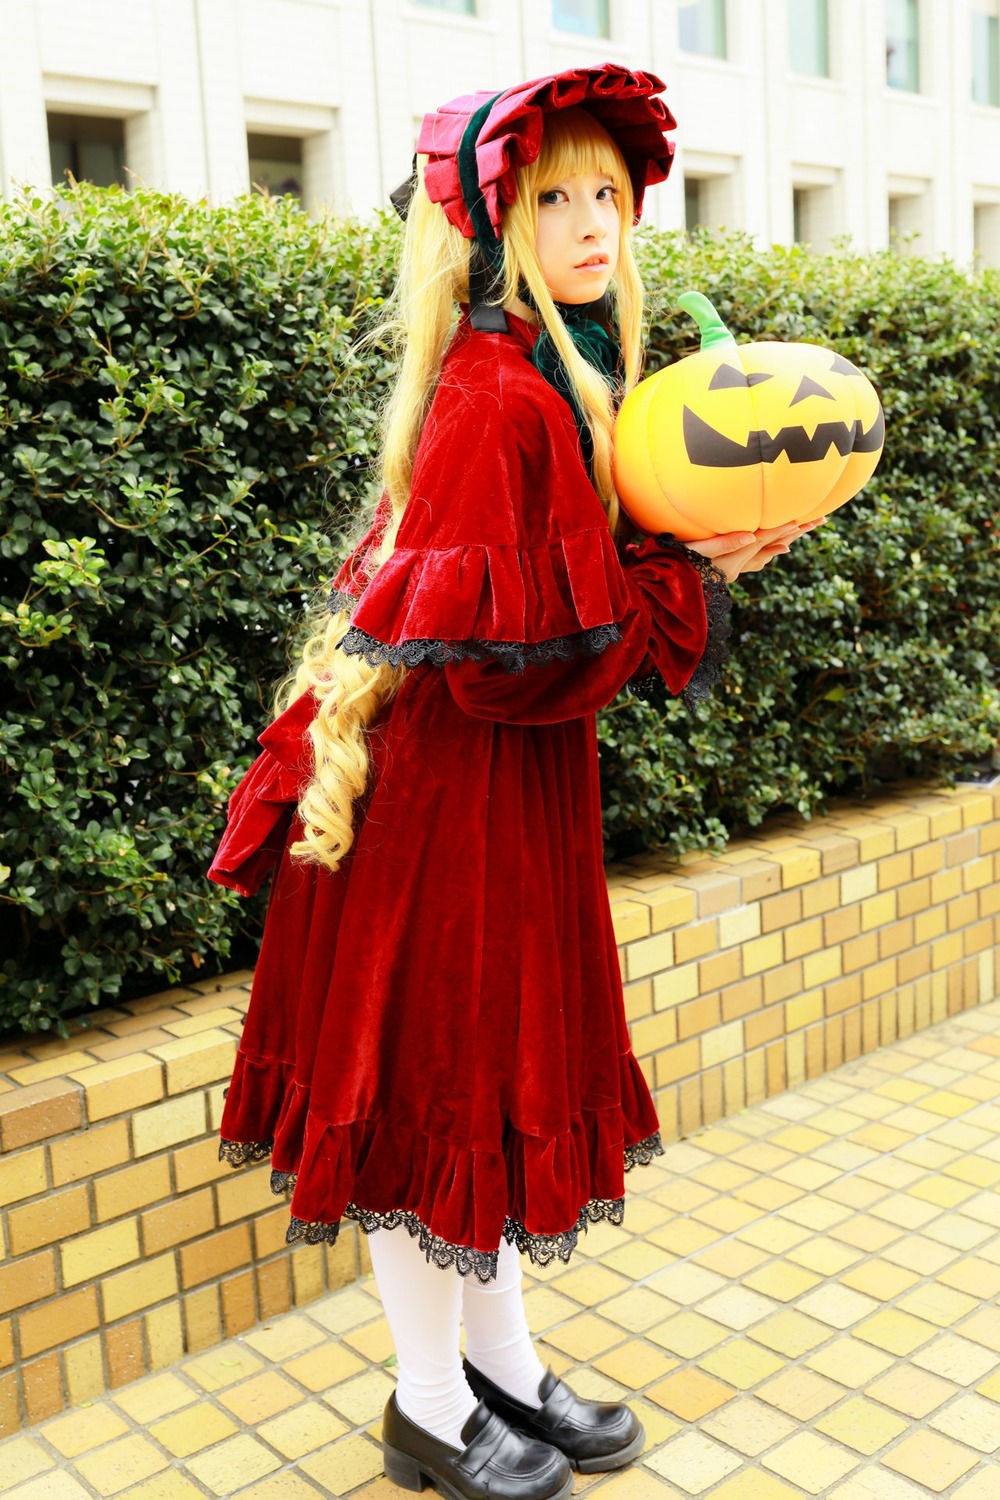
[[714, 332]]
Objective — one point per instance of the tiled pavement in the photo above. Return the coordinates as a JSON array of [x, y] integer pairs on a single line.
[[803, 1302]]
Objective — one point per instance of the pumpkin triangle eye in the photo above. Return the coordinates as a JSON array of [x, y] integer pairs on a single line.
[[758, 377], [726, 377], [809, 387], [844, 367]]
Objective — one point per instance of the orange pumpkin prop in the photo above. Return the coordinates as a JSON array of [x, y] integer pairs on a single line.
[[740, 437]]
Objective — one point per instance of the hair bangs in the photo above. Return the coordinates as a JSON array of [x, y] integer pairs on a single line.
[[575, 143]]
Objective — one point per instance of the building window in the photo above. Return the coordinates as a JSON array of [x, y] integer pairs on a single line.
[[89, 146], [902, 45], [703, 27], [457, 7], [809, 37], [695, 205], [814, 215], [986, 233], [986, 51], [275, 164], [908, 214], [586, 17]]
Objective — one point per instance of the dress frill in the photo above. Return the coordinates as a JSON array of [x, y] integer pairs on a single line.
[[570, 1180]]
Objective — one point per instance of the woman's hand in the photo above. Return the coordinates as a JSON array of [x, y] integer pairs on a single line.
[[736, 552]]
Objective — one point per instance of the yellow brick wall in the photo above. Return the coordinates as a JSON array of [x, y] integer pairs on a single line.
[[125, 1243], [747, 972]]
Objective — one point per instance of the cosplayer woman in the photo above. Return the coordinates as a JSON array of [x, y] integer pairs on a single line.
[[436, 1044]]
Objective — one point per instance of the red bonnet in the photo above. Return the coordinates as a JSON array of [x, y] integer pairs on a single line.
[[621, 99]]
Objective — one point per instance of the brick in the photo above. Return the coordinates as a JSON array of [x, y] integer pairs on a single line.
[[860, 952], [879, 979], [273, 1289], [90, 1255], [721, 1045], [857, 885], [821, 896], [913, 897], [269, 1228], [977, 939], [876, 911], [675, 986], [629, 919], [976, 873], [250, 1191], [840, 926], [202, 1320], [239, 1303], [638, 999], [52, 1218], [896, 938], [799, 866], [89, 1153], [960, 847], [6, 1343], [929, 924], [153, 1281], [164, 1335], [27, 1280], [695, 941], [41, 1384], [776, 1076], [117, 1088], [945, 886], [779, 984], [83, 1367], [198, 1164], [739, 925], [742, 999], [22, 1176], [184, 1218], [119, 1193], [193, 1061], [123, 1347], [10, 1415], [946, 950], [212, 1257], [759, 878], [977, 807], [671, 906], [58, 1321], [649, 955], [677, 1062], [715, 892], [689, 1106], [818, 968], [38, 1112], [962, 911], [804, 1011], [652, 1033], [720, 969], [697, 1016], [839, 851], [896, 870], [757, 1030], [780, 911], [927, 859], [763, 953], [804, 937], [842, 994], [165, 1125]]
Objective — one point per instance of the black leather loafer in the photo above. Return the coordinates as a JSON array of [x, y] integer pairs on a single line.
[[495, 1464], [594, 1435]]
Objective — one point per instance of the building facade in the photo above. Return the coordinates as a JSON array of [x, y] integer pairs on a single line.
[[798, 119]]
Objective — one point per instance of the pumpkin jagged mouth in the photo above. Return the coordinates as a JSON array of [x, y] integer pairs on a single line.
[[710, 449]]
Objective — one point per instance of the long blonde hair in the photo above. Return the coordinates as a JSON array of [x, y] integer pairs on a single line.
[[434, 277]]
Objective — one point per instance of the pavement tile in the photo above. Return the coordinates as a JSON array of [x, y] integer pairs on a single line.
[[879, 1279], [850, 1362], [932, 1461], [121, 1463], [838, 1306], [635, 1364], [693, 1462], [810, 1462], [731, 1258], [861, 1425], [690, 1394], [781, 1280], [688, 1334], [982, 1486], [801, 1393], [188, 1432], [737, 1308], [790, 1333], [753, 1484], [956, 1359], [915, 1393], [749, 1426], [874, 1483], [894, 1331], [971, 1420], [741, 1363], [83, 1429], [23, 1458], [237, 1461], [308, 1427], [156, 1396]]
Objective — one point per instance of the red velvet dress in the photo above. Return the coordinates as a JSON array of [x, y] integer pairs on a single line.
[[436, 1036]]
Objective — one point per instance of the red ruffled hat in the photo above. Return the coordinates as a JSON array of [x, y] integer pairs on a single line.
[[509, 136]]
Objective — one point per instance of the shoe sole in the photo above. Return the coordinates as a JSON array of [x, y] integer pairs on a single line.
[[607, 1461], [410, 1474]]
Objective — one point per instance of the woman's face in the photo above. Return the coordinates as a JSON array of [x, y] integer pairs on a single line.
[[577, 237]]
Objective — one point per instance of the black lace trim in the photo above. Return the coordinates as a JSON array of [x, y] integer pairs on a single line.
[[541, 1249], [642, 1153], [341, 603], [513, 656], [718, 608]]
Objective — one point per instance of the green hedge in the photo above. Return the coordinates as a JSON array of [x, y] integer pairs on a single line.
[[184, 429]]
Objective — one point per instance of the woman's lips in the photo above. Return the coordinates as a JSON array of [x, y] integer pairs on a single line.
[[595, 263]]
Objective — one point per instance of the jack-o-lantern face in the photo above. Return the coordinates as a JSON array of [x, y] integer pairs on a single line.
[[740, 437]]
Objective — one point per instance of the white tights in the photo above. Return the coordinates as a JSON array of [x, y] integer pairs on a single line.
[[423, 1304]]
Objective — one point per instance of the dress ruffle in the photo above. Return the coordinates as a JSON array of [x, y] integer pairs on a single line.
[[553, 1187], [517, 604]]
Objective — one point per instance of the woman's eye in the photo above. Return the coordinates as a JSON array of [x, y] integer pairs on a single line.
[[608, 193], [552, 196]]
